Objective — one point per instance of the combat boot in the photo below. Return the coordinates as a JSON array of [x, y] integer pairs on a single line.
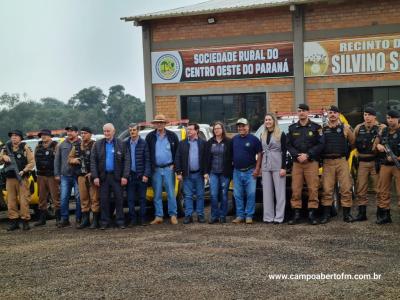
[[326, 214], [42, 219], [58, 217], [383, 216], [296, 217], [311, 217], [347, 217], [85, 221], [13, 225], [25, 225], [95, 222], [362, 214]]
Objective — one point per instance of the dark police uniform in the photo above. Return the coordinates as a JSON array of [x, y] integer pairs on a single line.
[[305, 139]]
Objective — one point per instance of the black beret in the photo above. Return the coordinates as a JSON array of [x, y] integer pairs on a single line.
[[16, 132], [44, 132], [333, 108], [370, 110], [393, 113], [71, 127], [87, 129], [304, 106]]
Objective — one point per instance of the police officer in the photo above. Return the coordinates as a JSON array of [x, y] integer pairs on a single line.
[[17, 182], [339, 139], [88, 192], [389, 136], [44, 157], [304, 143], [365, 135]]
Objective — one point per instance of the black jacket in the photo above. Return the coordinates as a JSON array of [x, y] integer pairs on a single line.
[[122, 160], [151, 140], [227, 156], [182, 157], [142, 156]]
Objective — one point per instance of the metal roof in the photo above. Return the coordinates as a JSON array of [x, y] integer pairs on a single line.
[[214, 6]]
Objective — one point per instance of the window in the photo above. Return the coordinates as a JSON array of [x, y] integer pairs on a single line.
[[352, 102], [225, 108]]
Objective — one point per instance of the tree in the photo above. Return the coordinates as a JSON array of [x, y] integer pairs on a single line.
[[92, 97], [9, 101]]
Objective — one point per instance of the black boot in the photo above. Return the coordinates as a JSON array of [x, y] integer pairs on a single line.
[[296, 217], [383, 216], [42, 219], [362, 214], [58, 217], [326, 214], [95, 222], [25, 225], [347, 217], [85, 221], [311, 216], [13, 225]]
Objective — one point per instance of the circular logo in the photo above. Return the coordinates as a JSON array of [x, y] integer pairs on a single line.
[[167, 67], [18, 155], [247, 144], [87, 152], [47, 152], [339, 130], [310, 133], [316, 59], [395, 136]]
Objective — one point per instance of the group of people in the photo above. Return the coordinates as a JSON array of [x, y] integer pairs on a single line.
[[98, 172]]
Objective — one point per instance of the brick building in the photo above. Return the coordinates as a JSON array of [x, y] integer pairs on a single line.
[[225, 59]]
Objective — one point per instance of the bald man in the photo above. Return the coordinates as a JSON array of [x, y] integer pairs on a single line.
[[110, 168]]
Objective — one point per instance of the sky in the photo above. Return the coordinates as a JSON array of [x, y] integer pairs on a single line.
[[55, 48]]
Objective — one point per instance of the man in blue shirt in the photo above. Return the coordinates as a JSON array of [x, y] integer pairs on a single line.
[[189, 165], [110, 167], [245, 148], [139, 175], [163, 144]]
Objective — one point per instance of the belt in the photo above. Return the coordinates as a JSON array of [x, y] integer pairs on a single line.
[[333, 156], [367, 158], [246, 169], [164, 166], [197, 171]]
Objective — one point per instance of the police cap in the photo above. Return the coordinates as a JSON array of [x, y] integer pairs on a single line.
[[303, 106], [393, 113], [16, 132]]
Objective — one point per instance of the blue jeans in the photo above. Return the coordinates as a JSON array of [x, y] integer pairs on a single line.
[[67, 183], [193, 184], [136, 190], [244, 184], [164, 176], [219, 185]]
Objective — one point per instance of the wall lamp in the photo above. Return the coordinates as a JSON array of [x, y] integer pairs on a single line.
[[211, 20]]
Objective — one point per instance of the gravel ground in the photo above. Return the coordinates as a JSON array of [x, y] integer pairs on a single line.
[[200, 261]]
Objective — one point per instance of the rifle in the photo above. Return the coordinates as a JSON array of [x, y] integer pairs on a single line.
[[390, 154], [13, 164]]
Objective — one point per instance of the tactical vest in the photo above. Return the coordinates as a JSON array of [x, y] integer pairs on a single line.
[[84, 156], [335, 141], [365, 139], [44, 158], [19, 156], [393, 139]]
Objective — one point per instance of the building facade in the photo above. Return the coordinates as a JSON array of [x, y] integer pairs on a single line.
[[211, 61]]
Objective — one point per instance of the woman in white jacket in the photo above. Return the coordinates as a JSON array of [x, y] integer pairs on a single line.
[[273, 170]]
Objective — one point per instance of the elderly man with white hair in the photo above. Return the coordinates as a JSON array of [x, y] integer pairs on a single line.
[[110, 168]]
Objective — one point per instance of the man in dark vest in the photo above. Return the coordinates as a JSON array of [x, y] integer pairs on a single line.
[[365, 135], [389, 137], [17, 182], [44, 157], [339, 139], [139, 175], [88, 192]]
